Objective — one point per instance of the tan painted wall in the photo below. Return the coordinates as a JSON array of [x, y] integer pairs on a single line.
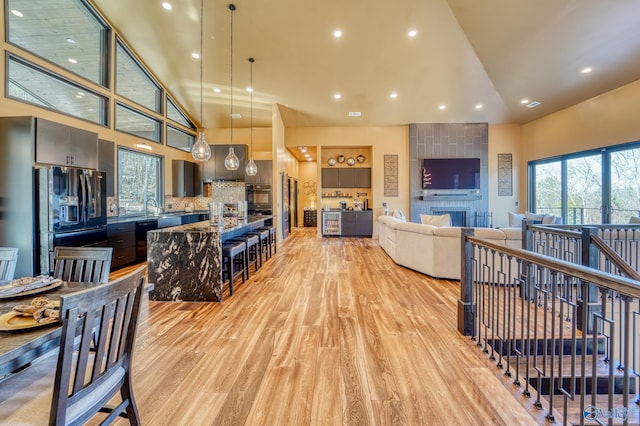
[[505, 139], [382, 140], [284, 162]]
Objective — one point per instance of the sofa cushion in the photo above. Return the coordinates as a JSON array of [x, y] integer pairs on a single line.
[[399, 214], [515, 219], [448, 231], [512, 233], [436, 220], [534, 216], [418, 228]]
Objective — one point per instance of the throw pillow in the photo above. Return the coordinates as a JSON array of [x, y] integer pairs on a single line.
[[515, 219], [399, 214], [548, 219], [436, 220], [634, 219], [533, 216]]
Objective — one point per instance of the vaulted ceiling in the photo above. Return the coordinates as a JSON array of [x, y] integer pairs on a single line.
[[470, 60]]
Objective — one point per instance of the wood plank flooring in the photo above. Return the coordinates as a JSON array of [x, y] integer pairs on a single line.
[[330, 331]]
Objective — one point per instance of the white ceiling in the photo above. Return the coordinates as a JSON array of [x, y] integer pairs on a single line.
[[466, 52]]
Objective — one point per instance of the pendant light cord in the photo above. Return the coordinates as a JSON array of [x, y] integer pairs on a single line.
[[231, 8], [201, 56], [251, 61]]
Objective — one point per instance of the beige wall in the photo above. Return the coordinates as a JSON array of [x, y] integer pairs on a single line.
[[382, 140], [284, 162], [506, 139]]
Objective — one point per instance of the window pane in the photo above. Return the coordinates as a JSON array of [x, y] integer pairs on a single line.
[[548, 188], [625, 185], [27, 83], [134, 83], [174, 113], [64, 32], [584, 190], [179, 139], [134, 122], [139, 181]]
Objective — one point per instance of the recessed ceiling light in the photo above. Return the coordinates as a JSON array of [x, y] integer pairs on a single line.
[[479, 106], [216, 89], [249, 89], [443, 106], [355, 113], [80, 95], [166, 5], [195, 55], [412, 33], [586, 70], [337, 33], [236, 115], [70, 40], [73, 61], [524, 101], [309, 159], [17, 13], [393, 95], [337, 96]]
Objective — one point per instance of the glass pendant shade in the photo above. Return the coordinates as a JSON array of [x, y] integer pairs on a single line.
[[251, 168], [231, 161], [201, 151]]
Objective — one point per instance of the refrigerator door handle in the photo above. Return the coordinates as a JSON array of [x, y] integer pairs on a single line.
[[83, 201], [91, 211]]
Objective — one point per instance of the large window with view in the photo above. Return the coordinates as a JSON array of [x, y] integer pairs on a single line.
[[134, 82], [599, 186], [140, 182], [65, 32]]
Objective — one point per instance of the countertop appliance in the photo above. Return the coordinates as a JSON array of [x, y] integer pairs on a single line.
[[343, 205], [72, 210]]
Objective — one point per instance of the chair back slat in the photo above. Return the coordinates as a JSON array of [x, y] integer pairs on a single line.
[[98, 334], [8, 260], [82, 264]]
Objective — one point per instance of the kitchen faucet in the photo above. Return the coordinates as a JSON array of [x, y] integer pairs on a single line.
[[146, 205]]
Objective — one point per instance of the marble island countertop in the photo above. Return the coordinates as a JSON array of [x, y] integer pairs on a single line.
[[206, 226]]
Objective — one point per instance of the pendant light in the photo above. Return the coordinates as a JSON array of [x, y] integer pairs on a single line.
[[251, 168], [231, 161], [201, 151]]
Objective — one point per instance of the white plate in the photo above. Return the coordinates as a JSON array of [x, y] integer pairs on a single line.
[[351, 161], [331, 161]]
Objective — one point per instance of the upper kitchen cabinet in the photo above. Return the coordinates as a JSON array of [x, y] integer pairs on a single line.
[[265, 172], [346, 178], [106, 159], [63, 145], [187, 181], [214, 169]]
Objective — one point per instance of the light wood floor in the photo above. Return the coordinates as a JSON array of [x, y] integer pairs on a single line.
[[330, 331]]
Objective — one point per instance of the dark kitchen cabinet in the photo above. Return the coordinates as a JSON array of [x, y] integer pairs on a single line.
[[122, 237], [63, 145], [106, 159], [214, 169], [186, 179], [346, 178], [330, 178], [265, 172], [356, 223]]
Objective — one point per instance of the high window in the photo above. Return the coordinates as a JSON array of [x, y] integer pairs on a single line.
[[593, 187], [64, 32], [135, 122], [134, 82]]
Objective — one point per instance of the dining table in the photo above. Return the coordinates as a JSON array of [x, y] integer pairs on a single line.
[[18, 348]]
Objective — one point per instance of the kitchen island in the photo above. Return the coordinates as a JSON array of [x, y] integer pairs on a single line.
[[185, 261]]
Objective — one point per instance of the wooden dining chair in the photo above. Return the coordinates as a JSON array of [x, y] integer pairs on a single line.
[[86, 380], [82, 264], [8, 260]]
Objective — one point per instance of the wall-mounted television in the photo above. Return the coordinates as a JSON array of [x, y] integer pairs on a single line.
[[451, 173]]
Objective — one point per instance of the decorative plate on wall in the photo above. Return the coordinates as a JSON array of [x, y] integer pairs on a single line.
[[351, 161], [340, 158], [331, 161], [360, 158]]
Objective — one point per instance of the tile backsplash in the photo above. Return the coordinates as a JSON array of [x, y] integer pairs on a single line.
[[214, 192]]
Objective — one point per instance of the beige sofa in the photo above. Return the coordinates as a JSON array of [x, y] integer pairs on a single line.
[[433, 250]]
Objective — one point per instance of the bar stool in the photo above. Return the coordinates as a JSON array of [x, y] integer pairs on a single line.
[[233, 253], [264, 242], [273, 238], [251, 250]]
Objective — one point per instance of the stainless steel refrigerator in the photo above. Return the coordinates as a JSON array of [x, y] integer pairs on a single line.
[[72, 210]]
